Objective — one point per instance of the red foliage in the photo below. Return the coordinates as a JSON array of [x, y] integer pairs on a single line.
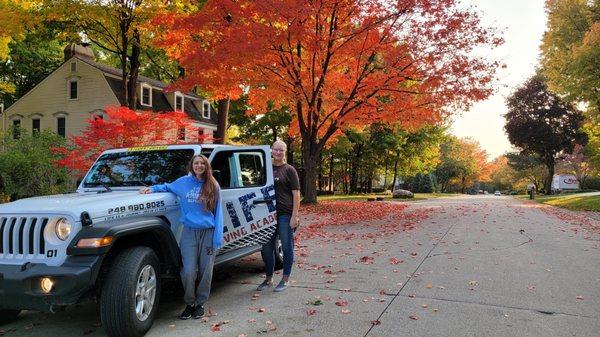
[[124, 128], [336, 62]]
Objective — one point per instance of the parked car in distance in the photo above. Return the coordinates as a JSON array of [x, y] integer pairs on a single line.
[[497, 193]]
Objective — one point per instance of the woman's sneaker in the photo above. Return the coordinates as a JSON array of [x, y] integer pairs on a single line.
[[264, 285], [187, 312], [281, 286], [198, 312]]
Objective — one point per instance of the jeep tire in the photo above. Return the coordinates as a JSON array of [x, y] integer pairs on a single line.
[[130, 293], [8, 315]]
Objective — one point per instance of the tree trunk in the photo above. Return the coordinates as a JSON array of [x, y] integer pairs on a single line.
[[395, 171], [134, 67], [548, 180], [223, 109], [331, 173], [290, 152], [310, 156], [320, 170], [385, 176]]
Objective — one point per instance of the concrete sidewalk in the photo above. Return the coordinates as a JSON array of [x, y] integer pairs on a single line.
[[477, 266]]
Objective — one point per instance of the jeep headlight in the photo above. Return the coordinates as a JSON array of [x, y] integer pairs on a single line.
[[62, 228]]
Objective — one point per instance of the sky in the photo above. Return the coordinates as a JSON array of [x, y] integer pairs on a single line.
[[523, 23]]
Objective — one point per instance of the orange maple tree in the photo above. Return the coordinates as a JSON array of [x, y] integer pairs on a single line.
[[124, 127], [336, 62]]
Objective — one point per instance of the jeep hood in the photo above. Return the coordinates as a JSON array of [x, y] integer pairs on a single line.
[[99, 205]]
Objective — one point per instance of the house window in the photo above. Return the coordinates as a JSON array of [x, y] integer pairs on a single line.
[[206, 110], [146, 95], [181, 133], [61, 125], [178, 102], [35, 125], [73, 89], [73, 66], [16, 128]]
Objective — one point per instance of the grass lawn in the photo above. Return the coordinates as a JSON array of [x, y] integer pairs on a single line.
[[363, 197], [576, 201]]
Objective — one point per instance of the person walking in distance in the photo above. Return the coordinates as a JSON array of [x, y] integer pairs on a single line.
[[202, 219], [287, 201]]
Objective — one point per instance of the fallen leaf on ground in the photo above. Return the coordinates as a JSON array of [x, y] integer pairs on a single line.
[[310, 312], [375, 322], [579, 297], [346, 311], [413, 317], [341, 303]]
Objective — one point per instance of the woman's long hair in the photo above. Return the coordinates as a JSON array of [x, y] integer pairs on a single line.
[[210, 190]]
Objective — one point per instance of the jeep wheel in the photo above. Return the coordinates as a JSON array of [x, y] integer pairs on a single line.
[[278, 253], [8, 315], [131, 293]]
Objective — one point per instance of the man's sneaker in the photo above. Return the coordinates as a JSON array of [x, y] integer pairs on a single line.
[[281, 286], [264, 285], [187, 312], [198, 312]]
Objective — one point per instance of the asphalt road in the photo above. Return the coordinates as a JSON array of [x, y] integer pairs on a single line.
[[471, 266]]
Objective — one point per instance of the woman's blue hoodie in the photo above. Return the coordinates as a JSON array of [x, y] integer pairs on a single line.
[[193, 213]]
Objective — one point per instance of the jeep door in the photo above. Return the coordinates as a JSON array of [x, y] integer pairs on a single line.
[[245, 175]]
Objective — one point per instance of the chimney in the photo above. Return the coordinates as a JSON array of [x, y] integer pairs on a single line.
[[81, 50]]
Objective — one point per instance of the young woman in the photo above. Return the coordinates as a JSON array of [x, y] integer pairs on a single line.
[[202, 220], [287, 202]]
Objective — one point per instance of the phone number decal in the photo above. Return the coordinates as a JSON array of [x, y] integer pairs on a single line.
[[136, 207]]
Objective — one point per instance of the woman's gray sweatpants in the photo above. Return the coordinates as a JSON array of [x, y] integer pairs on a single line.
[[198, 260]]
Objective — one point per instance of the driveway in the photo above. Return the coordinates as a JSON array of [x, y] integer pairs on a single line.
[[462, 266]]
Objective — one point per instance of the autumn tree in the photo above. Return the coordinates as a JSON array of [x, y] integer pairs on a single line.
[[571, 50], [529, 167], [539, 122], [122, 128], [118, 28], [336, 63], [577, 164], [502, 176]]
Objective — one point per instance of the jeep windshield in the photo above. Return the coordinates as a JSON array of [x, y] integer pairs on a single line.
[[138, 168]]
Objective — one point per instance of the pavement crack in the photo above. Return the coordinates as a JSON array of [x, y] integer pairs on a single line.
[[411, 277], [529, 240], [536, 310]]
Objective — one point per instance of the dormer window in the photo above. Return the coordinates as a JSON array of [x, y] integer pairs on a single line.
[[73, 89], [206, 110], [73, 66], [178, 102], [146, 95]]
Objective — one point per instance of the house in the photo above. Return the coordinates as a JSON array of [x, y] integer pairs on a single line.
[[80, 88]]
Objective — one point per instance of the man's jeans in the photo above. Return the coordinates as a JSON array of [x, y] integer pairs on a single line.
[[198, 259], [286, 234]]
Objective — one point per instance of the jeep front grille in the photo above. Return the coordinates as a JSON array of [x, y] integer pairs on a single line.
[[22, 236]]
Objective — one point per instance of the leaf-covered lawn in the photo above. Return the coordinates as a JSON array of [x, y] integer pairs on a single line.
[[384, 218]]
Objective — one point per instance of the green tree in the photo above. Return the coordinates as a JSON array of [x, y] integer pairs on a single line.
[[259, 129], [539, 122], [571, 50], [530, 167], [29, 61], [27, 165]]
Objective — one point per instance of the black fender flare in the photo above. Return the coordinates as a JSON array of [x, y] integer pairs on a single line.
[[121, 229]]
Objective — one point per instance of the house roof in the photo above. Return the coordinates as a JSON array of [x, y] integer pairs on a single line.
[[160, 103]]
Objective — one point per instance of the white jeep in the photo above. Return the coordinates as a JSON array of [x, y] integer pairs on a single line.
[[110, 243]]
